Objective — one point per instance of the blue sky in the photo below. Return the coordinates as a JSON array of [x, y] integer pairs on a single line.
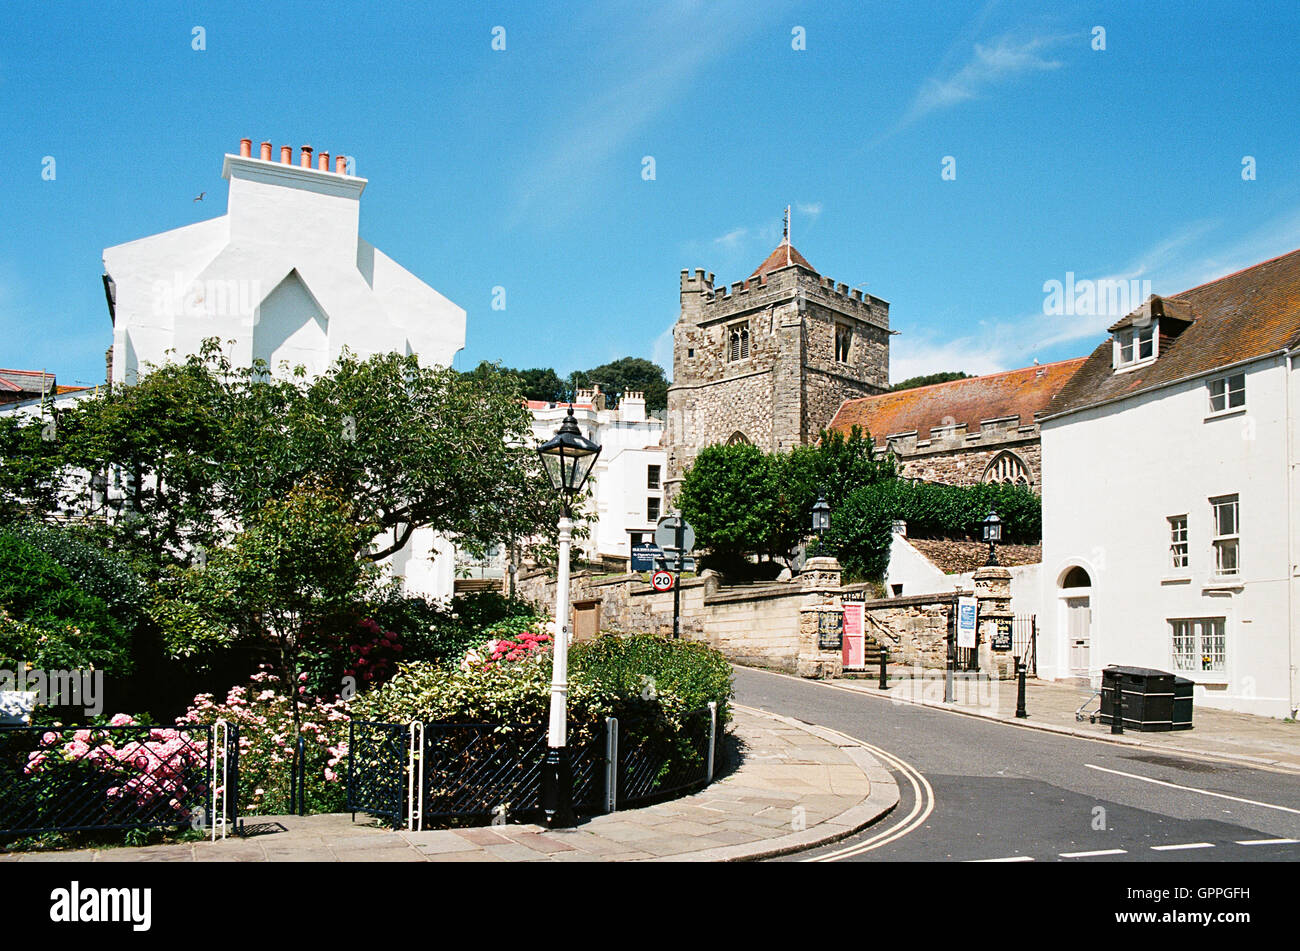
[[522, 168]]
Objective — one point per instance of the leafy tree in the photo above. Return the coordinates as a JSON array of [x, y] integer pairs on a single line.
[[198, 448], [539, 383], [730, 497], [293, 567], [627, 373], [928, 379], [741, 500]]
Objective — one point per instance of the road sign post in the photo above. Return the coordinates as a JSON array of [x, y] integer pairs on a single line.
[[676, 538]]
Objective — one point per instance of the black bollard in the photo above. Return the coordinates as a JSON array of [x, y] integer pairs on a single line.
[[1117, 707], [1021, 669], [884, 675]]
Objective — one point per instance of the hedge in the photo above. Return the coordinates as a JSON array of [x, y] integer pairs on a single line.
[[860, 528]]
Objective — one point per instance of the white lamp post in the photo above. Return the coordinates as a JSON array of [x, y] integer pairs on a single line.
[[568, 458]]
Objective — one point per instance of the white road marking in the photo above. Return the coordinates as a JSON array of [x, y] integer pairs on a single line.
[[1203, 792], [1088, 855], [1185, 845], [1267, 841], [1011, 858]]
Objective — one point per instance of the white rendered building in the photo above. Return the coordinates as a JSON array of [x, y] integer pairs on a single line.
[[286, 275], [627, 481], [1170, 496]]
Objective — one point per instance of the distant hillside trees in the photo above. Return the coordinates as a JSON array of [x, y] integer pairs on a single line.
[[945, 377]]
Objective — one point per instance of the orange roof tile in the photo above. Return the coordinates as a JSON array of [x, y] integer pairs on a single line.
[[777, 260], [1022, 393], [1251, 313]]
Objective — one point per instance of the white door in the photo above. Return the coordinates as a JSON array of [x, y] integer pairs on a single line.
[[1078, 628]]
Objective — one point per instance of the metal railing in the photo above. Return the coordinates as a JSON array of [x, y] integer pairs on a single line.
[[421, 773], [81, 779]]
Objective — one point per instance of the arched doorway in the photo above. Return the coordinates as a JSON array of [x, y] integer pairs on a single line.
[[1075, 592]]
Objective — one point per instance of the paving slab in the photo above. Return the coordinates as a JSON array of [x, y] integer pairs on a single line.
[[792, 787]]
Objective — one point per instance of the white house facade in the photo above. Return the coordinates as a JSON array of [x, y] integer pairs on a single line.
[[285, 277], [1170, 496], [628, 478]]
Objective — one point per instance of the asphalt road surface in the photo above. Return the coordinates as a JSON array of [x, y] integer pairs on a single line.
[[976, 790]]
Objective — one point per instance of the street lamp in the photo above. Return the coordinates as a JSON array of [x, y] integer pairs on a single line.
[[568, 458], [992, 534], [821, 516]]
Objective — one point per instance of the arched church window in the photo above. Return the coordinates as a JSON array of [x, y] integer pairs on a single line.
[[738, 439], [738, 342], [1007, 469]]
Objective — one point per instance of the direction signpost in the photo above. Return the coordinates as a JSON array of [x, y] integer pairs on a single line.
[[675, 539]]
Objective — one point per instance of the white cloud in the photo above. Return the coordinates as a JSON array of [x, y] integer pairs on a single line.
[[662, 351], [1171, 265], [987, 67]]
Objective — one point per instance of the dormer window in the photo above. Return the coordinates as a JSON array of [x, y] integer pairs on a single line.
[[1134, 345]]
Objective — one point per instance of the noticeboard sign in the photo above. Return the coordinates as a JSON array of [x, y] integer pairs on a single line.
[[853, 652], [830, 630], [1002, 636], [967, 621], [643, 557]]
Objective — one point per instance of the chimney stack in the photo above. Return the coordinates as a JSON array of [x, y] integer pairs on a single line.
[[340, 164], [305, 156], [323, 162], [245, 148], [286, 155], [266, 151]]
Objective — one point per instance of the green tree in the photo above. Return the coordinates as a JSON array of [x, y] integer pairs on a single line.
[[912, 382], [627, 373], [198, 448], [291, 569], [729, 496]]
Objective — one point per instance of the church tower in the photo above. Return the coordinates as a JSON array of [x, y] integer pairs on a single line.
[[770, 360]]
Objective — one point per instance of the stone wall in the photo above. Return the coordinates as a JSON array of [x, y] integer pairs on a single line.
[[775, 625], [955, 457]]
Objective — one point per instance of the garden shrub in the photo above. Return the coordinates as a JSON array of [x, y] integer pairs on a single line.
[[74, 630], [638, 676], [264, 713]]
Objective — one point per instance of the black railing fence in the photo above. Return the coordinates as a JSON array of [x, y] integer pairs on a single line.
[[475, 772], [75, 779]]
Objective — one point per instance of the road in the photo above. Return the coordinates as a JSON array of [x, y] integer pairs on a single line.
[[976, 790]]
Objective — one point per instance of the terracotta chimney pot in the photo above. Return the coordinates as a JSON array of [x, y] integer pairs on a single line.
[[323, 161], [245, 148], [304, 156], [341, 164], [286, 155], [266, 151]]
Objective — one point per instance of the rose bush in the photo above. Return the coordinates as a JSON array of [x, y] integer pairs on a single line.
[[263, 711]]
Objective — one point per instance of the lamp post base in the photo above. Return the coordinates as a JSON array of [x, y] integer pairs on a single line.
[[557, 789]]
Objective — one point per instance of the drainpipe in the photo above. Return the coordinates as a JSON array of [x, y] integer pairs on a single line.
[[1288, 416]]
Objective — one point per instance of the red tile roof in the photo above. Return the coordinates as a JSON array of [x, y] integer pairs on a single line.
[[1022, 393], [1251, 313], [777, 260]]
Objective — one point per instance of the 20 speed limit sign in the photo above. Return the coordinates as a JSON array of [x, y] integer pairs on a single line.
[[662, 581]]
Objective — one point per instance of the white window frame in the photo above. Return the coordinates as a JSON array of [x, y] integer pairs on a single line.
[[1204, 643], [654, 476], [658, 504], [1131, 339], [1221, 402], [1226, 541], [1179, 552]]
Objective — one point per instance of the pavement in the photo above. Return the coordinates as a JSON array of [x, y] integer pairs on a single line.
[[794, 786], [1218, 734]]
